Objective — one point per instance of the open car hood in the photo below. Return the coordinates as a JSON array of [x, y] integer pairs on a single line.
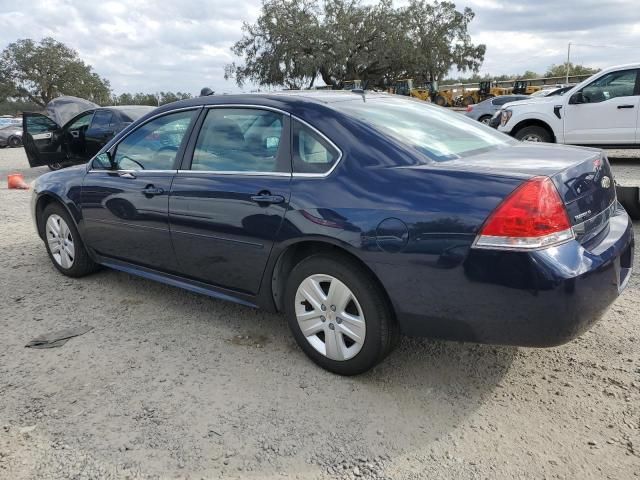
[[63, 109]]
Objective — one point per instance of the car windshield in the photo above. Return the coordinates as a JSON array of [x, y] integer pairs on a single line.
[[437, 133]]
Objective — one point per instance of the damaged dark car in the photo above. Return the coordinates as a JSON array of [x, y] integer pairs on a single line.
[[72, 130]]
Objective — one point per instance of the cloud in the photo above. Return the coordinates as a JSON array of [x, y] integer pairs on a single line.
[[150, 46]]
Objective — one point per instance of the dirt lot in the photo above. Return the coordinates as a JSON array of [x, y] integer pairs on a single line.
[[170, 384]]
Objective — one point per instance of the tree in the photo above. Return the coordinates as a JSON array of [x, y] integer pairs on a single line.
[[437, 39], [282, 47], [151, 99], [561, 70], [39, 72], [295, 41]]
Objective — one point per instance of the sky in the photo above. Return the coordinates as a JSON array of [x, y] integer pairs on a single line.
[[151, 46]]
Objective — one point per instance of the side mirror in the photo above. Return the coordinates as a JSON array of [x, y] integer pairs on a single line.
[[576, 99], [102, 162]]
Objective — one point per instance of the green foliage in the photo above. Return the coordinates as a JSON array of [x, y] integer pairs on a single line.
[[552, 71], [561, 70], [151, 99], [39, 72], [295, 41]]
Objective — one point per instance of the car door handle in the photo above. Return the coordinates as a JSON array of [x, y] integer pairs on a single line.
[[625, 106], [265, 197], [150, 191]]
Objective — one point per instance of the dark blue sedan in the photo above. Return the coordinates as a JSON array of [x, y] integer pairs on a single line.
[[360, 216]]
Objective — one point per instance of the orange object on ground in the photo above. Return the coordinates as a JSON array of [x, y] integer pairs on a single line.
[[16, 180]]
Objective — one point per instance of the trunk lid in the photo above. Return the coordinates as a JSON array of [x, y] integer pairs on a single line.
[[582, 176]]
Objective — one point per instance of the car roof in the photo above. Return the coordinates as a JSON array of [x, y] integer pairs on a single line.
[[296, 96]]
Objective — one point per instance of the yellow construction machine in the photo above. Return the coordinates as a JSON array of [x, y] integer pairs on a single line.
[[485, 90], [405, 87], [524, 87]]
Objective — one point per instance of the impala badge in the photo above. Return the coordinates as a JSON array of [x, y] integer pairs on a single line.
[[605, 182]]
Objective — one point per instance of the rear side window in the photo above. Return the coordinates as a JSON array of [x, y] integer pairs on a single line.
[[241, 140], [101, 120], [311, 152]]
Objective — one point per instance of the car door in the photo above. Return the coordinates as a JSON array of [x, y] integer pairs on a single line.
[[228, 201], [42, 139], [125, 194], [604, 111], [99, 132], [74, 133]]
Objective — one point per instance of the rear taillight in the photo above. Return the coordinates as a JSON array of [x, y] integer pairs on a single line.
[[469, 108], [532, 216]]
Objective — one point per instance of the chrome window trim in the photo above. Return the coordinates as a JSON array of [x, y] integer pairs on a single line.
[[98, 170], [243, 173], [326, 139]]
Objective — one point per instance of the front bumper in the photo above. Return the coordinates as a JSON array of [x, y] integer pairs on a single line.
[[540, 299]]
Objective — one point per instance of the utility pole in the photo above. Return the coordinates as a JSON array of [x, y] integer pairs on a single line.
[[568, 57]]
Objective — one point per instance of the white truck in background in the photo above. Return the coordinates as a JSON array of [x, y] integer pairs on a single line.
[[602, 111]]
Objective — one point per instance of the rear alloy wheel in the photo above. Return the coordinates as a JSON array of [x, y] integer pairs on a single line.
[[534, 134], [338, 315], [14, 142], [63, 243], [485, 119]]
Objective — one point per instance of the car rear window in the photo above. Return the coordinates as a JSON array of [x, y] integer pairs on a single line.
[[434, 131]]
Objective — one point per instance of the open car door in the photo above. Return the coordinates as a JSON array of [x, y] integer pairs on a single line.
[[42, 139]]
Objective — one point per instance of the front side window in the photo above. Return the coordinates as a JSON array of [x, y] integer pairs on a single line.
[[241, 140], [101, 120], [154, 145], [311, 152], [611, 85]]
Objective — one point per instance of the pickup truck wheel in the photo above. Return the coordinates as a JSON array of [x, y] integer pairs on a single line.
[[533, 134]]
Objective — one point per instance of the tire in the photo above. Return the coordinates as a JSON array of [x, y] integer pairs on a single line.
[[14, 142], [534, 134], [367, 306], [629, 197], [468, 100], [77, 264], [485, 119], [441, 101], [55, 166]]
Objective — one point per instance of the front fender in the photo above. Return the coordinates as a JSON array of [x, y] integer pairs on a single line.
[[64, 187]]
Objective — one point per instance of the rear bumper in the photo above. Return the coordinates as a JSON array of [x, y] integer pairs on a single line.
[[539, 299]]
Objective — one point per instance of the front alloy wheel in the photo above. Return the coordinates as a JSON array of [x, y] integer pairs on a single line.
[[60, 241], [330, 317], [63, 242]]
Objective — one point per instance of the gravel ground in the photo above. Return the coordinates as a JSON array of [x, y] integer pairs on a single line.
[[170, 384]]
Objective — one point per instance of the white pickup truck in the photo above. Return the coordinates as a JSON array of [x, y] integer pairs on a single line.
[[602, 111]]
